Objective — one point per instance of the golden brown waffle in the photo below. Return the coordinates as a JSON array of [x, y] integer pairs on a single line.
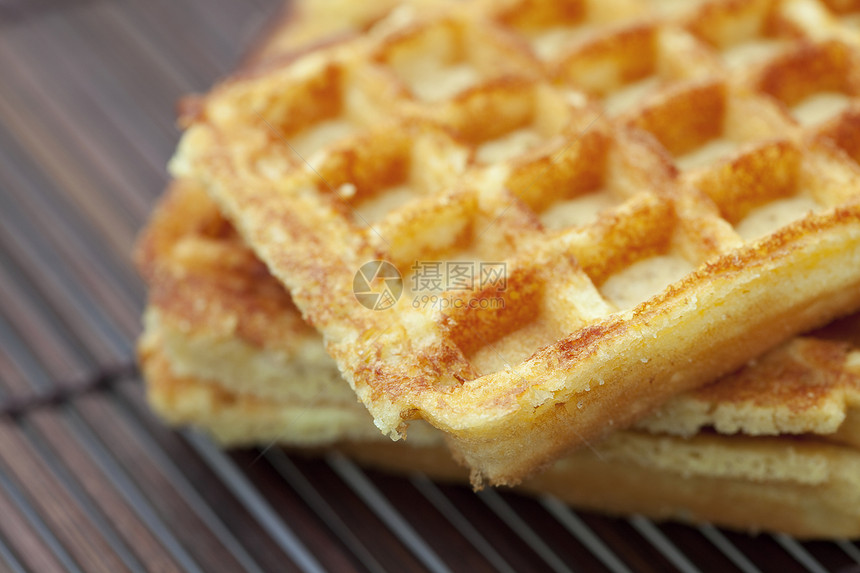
[[306, 24], [807, 488], [208, 364], [216, 314], [668, 190]]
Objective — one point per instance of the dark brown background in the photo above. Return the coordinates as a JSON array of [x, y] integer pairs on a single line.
[[89, 480]]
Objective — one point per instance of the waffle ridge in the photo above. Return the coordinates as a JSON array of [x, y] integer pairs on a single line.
[[279, 391], [202, 304], [662, 188]]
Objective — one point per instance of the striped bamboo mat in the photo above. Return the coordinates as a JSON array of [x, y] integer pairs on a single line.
[[89, 479]]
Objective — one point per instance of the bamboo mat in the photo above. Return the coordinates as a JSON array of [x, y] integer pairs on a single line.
[[89, 479]]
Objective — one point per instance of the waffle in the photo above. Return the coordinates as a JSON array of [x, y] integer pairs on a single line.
[[668, 193], [216, 314], [304, 25], [803, 487], [208, 364], [807, 488]]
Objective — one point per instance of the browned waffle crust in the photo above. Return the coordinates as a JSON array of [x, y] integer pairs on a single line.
[[210, 299], [464, 131], [808, 488], [215, 313], [209, 364]]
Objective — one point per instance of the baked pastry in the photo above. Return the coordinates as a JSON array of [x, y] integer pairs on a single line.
[[648, 197], [773, 446], [804, 486], [215, 313]]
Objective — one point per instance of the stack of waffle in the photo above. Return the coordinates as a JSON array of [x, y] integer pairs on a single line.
[[570, 246]]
